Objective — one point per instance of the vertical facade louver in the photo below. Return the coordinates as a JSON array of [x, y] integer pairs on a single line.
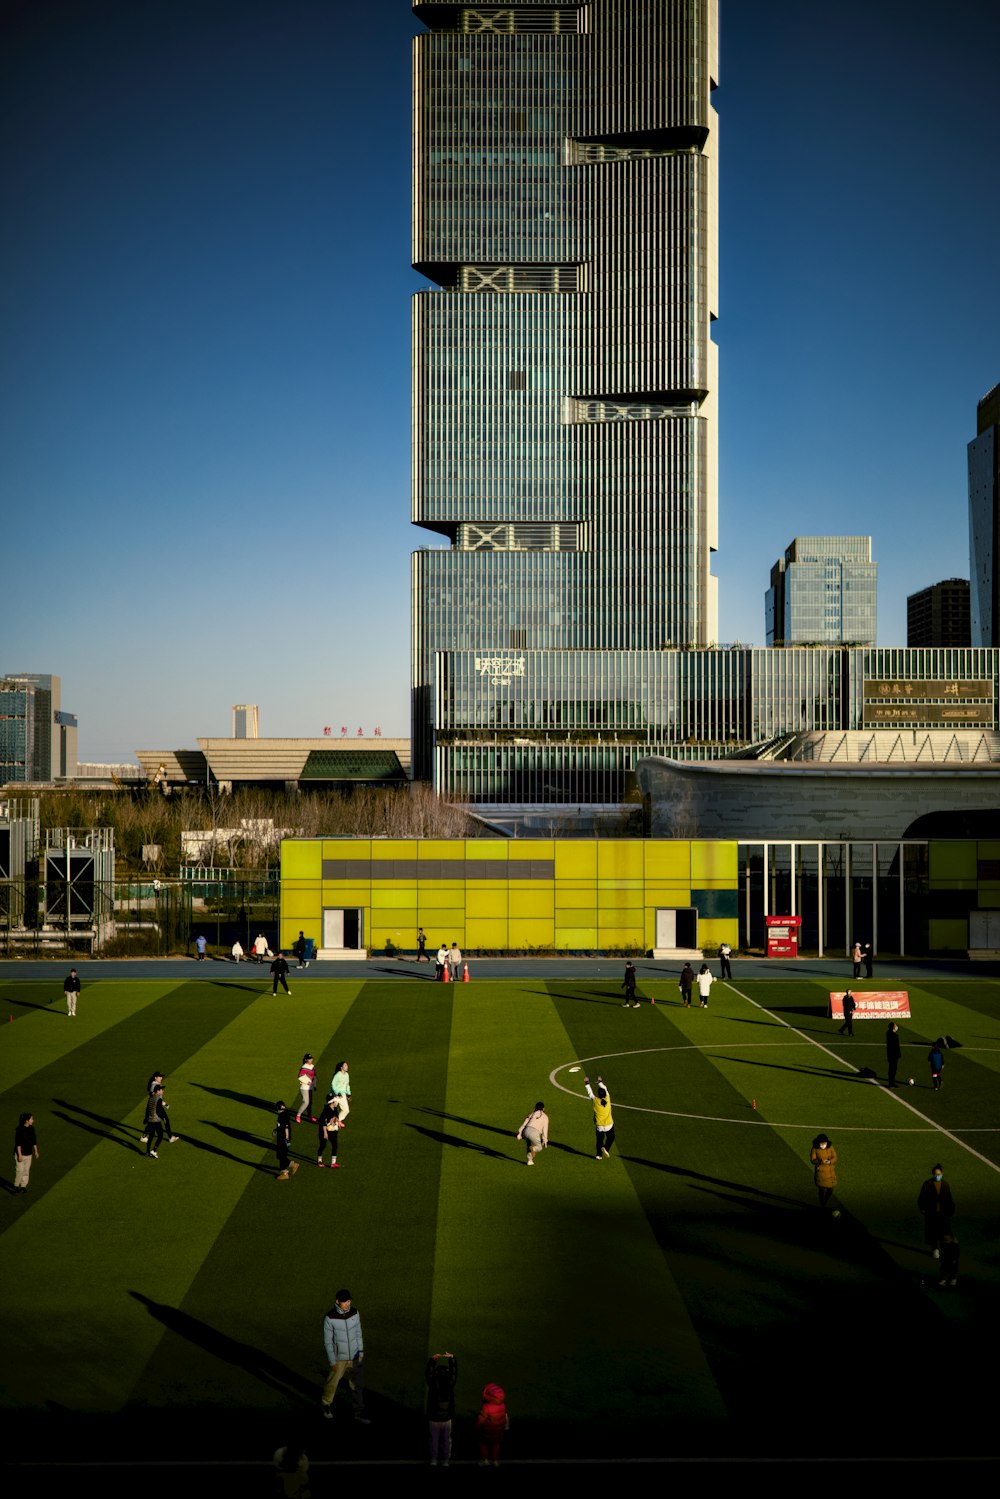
[[564, 377]]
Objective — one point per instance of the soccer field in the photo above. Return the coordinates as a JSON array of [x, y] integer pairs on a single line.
[[684, 1297]]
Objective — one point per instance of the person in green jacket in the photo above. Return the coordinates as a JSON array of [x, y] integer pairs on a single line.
[[340, 1087]]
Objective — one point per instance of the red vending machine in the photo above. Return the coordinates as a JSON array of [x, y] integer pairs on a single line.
[[783, 936]]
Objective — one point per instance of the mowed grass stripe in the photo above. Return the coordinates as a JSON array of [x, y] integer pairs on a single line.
[[547, 1277], [82, 1097], [44, 1034], [968, 1100], [113, 1222], [248, 1331], [732, 1208]]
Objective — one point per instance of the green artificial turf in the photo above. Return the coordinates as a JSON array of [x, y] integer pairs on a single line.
[[683, 1298]]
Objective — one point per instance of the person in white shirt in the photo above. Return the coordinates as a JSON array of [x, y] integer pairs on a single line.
[[535, 1131], [705, 980]]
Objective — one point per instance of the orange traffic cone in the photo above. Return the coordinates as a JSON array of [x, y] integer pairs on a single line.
[[465, 974], [446, 975], [753, 1104], [652, 1000]]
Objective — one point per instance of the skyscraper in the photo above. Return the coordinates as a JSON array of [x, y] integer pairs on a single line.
[[824, 591], [564, 376], [984, 521], [939, 615]]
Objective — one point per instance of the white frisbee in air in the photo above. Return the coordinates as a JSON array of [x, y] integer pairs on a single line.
[[576, 1069]]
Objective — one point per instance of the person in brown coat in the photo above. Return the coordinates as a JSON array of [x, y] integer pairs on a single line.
[[938, 1208], [824, 1160]]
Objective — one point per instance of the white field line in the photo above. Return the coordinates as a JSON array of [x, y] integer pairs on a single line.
[[896, 1097]]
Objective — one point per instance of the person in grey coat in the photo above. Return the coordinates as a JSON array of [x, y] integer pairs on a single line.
[[345, 1352]]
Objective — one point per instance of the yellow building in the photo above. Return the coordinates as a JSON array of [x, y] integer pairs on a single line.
[[508, 895]]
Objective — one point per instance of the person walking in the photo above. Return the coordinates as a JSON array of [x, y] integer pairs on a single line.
[[856, 959], [328, 1126], [307, 1084], [893, 1051], [936, 1059], [850, 1005], [279, 974], [340, 1087], [300, 950], [237, 951], [25, 1151], [422, 947], [725, 967], [345, 1352], [685, 984], [628, 984], [535, 1131], [705, 980], [937, 1206], [155, 1121], [283, 1141], [71, 991], [442, 962], [201, 944], [455, 962], [441, 1376], [604, 1124], [491, 1424], [824, 1160], [259, 948]]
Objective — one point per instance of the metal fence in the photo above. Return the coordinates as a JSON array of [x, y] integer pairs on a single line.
[[139, 917]]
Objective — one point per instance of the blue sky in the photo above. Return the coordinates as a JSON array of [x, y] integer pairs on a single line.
[[204, 364]]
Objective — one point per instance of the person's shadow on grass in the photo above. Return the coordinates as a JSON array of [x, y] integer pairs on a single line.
[[262, 1366], [229, 984], [460, 1119], [105, 1133], [28, 1004], [714, 1181], [247, 1098], [836, 1073], [456, 1140]]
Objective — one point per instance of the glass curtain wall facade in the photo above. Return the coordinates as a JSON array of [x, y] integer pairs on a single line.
[[823, 591], [564, 434], [984, 522], [567, 727]]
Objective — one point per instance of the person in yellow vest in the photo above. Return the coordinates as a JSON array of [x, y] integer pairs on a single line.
[[604, 1125]]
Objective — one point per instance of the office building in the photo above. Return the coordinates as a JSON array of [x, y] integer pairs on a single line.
[[38, 740], [824, 591], [566, 730], [984, 521], [939, 615], [564, 374], [245, 721]]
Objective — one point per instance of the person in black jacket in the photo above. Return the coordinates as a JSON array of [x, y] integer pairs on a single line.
[[71, 990], [892, 1051], [628, 984], [279, 970], [441, 1376], [25, 1151], [850, 1005], [155, 1121], [283, 1140], [937, 1205]]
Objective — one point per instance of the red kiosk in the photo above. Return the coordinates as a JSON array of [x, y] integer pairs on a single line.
[[783, 936]]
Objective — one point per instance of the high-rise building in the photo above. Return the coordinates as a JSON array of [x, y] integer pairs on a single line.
[[245, 721], [40, 739], [564, 374], [824, 591], [984, 521], [939, 615]]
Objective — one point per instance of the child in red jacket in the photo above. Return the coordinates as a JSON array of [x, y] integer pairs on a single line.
[[491, 1423]]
